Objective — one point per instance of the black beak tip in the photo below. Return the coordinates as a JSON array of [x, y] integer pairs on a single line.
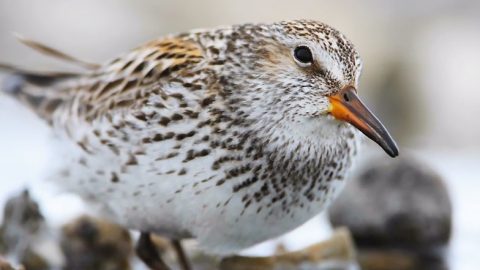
[[393, 153], [392, 149]]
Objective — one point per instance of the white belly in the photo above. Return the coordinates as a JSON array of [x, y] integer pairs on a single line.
[[154, 193]]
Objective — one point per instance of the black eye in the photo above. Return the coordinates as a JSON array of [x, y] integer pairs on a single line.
[[303, 55]]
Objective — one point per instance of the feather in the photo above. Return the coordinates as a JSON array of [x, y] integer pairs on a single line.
[[46, 50], [34, 89]]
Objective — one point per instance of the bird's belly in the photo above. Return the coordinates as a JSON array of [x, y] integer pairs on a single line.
[[190, 205], [226, 209], [229, 229]]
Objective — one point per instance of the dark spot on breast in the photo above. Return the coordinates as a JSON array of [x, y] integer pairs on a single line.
[[207, 101], [213, 50], [204, 152], [196, 87], [217, 62], [132, 160], [169, 135], [191, 154], [140, 116], [164, 121], [114, 178], [182, 136], [177, 96], [83, 162], [158, 137], [182, 171], [177, 117], [204, 123], [171, 155], [191, 114], [83, 144]]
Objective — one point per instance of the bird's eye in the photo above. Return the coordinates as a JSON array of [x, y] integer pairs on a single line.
[[303, 55]]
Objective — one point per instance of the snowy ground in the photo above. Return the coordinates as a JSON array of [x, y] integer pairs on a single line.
[[23, 161]]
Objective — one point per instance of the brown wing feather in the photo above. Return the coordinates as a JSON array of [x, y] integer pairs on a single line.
[[129, 79]]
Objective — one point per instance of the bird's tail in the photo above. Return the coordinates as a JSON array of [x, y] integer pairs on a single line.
[[39, 90], [35, 90]]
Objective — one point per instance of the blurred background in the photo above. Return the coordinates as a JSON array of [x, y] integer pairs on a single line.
[[421, 77]]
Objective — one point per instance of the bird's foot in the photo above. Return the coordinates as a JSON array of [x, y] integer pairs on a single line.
[[148, 253], [181, 256]]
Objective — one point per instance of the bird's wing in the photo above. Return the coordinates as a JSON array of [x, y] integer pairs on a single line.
[[123, 83]]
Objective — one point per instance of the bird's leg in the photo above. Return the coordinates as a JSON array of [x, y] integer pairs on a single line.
[[148, 253], [181, 256]]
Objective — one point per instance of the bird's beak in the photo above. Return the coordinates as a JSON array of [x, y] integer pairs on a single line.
[[347, 106]]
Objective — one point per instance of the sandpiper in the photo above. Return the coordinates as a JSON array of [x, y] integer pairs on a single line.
[[231, 136]]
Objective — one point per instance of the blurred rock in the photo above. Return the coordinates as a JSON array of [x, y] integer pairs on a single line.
[[396, 259], [202, 261], [95, 244], [336, 253], [396, 202], [4, 265], [25, 235], [21, 217]]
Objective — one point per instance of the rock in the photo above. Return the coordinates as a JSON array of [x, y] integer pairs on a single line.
[[95, 244], [34, 260], [24, 234], [21, 218], [397, 259], [336, 253], [398, 203], [4, 265]]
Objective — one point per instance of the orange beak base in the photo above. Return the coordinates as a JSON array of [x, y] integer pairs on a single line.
[[347, 106]]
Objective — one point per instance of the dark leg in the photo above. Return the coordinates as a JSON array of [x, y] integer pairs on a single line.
[[148, 253], [181, 256]]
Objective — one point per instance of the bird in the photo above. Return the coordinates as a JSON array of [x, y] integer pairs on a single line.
[[230, 136]]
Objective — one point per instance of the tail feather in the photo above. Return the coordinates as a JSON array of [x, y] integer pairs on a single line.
[[40, 90], [49, 51], [35, 75], [34, 89]]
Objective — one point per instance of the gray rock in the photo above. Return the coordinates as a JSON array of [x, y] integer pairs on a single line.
[[21, 218], [24, 232], [395, 202]]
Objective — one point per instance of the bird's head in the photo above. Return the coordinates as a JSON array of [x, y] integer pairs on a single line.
[[302, 75]]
